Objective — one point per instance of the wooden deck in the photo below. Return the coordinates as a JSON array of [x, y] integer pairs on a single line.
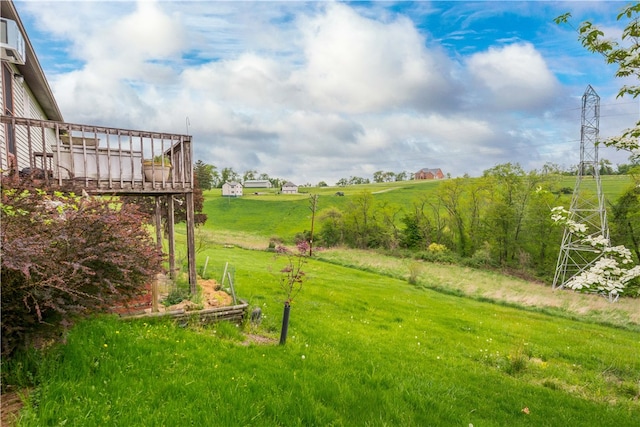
[[100, 160], [104, 161]]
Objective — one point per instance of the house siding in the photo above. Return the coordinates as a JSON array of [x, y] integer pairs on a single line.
[[257, 184], [429, 174], [289, 188], [3, 138], [25, 105], [231, 189]]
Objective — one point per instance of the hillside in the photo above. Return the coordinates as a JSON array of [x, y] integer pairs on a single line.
[[373, 340], [252, 220], [363, 349], [269, 214]]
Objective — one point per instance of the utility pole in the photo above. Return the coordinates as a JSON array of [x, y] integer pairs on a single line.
[[587, 203], [313, 205]]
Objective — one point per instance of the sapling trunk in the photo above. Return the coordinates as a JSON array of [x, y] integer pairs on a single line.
[[285, 323]]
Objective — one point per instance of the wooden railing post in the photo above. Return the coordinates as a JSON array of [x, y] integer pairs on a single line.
[[191, 243]]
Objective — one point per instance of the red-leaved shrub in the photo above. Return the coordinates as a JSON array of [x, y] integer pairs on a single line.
[[65, 256]]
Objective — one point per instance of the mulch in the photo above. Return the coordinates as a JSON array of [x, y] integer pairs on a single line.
[[10, 405]]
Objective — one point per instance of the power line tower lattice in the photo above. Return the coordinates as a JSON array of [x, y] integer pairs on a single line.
[[587, 203]]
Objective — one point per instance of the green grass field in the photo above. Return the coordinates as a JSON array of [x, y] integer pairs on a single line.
[[365, 348], [269, 214]]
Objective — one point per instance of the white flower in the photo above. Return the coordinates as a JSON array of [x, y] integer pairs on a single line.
[[599, 240]]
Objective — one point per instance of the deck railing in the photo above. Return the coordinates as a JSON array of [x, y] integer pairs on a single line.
[[100, 159]]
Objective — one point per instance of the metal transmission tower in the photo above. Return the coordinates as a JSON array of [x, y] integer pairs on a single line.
[[587, 207]]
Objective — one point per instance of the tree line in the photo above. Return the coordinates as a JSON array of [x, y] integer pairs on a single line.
[[501, 219], [209, 176]]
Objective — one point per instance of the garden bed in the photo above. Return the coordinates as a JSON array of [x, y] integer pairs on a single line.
[[234, 313], [212, 305]]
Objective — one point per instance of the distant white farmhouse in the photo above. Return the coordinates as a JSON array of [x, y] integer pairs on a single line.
[[289, 188], [257, 183], [232, 189]]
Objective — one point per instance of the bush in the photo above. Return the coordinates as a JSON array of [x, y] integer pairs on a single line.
[[481, 258], [442, 257], [437, 248], [65, 256], [633, 288]]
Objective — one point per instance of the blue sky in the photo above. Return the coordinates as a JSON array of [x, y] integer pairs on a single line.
[[310, 91]]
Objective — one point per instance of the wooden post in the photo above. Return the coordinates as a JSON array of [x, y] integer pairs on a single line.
[[158, 224], [313, 205], [191, 243], [233, 291], [224, 274], [204, 270], [171, 237], [154, 295]]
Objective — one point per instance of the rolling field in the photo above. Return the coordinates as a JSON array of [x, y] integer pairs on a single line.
[[277, 215], [364, 349]]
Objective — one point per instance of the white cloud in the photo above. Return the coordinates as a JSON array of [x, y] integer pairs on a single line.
[[515, 76], [359, 65], [309, 91]]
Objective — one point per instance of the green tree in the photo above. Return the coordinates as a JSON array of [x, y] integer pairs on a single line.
[[390, 235], [331, 227], [389, 176], [605, 167], [204, 173], [450, 195], [417, 232], [249, 175], [362, 228], [356, 180], [626, 220], [277, 182], [540, 235], [623, 53], [511, 189], [227, 175], [628, 168]]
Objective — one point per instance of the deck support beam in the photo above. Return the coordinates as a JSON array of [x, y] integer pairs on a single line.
[[171, 236], [191, 243]]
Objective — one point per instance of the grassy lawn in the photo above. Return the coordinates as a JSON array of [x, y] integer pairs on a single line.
[[269, 214], [485, 285], [364, 349]]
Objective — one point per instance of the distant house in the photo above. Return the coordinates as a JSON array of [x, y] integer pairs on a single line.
[[232, 189], [426, 173], [257, 183], [289, 188]]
